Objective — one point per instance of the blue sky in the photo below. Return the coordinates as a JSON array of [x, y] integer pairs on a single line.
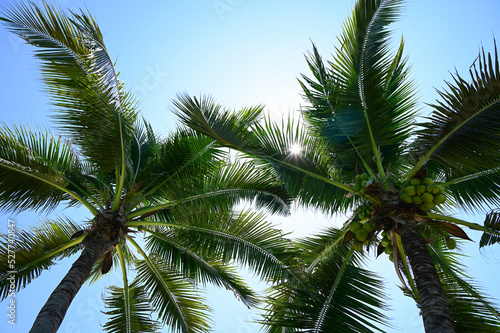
[[243, 53]]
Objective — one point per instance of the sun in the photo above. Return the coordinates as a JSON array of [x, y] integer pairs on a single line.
[[295, 149]]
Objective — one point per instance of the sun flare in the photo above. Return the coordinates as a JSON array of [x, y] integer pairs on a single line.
[[295, 149]]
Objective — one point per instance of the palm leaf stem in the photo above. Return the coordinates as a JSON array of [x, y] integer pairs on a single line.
[[427, 155], [411, 282], [145, 210], [126, 290], [120, 181], [312, 174], [20, 169], [471, 225], [362, 93], [324, 309], [469, 177]]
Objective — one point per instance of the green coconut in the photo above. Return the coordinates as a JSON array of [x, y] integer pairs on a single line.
[[354, 226], [421, 189], [427, 197], [427, 181], [361, 235], [415, 181], [417, 199], [451, 243], [439, 199]]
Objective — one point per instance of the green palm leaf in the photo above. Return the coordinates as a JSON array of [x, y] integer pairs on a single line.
[[461, 138], [36, 250], [311, 175], [336, 294], [167, 165], [245, 238], [492, 221], [269, 145], [38, 170], [129, 315], [363, 102], [80, 78], [200, 270], [178, 305], [472, 311]]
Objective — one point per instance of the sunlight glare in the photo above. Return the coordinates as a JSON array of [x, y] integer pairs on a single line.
[[295, 149]]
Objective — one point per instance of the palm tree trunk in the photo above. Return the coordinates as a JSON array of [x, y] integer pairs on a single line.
[[52, 314], [434, 305]]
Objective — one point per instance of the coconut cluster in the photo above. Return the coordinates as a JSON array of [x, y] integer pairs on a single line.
[[387, 244], [423, 193], [361, 232], [360, 182], [364, 212]]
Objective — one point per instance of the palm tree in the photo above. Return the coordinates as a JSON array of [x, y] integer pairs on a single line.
[[362, 150], [162, 207]]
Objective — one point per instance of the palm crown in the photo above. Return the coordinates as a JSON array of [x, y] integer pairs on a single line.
[[176, 193], [362, 150]]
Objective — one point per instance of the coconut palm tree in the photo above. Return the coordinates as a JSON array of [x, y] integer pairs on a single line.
[[363, 150], [161, 208]]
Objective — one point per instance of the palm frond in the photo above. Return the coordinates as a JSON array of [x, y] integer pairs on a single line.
[[363, 102], [35, 250], [336, 294], [471, 309], [178, 163], [492, 221], [311, 175], [461, 138], [245, 238], [198, 269], [129, 315], [268, 144], [231, 129], [80, 77], [38, 170], [178, 305]]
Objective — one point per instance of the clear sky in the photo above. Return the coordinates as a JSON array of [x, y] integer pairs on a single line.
[[242, 52]]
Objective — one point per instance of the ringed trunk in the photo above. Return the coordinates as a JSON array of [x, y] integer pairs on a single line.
[[52, 314], [434, 305]]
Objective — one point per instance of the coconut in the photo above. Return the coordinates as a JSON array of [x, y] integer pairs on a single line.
[[451, 243], [368, 227], [358, 246], [439, 199], [434, 189], [410, 190], [406, 198], [415, 181], [361, 234], [421, 189], [427, 197], [417, 199], [354, 226], [427, 181], [429, 205]]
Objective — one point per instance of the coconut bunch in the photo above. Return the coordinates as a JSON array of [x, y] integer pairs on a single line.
[[360, 182], [361, 227], [424, 193]]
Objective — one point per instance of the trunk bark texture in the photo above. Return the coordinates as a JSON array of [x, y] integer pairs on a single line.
[[435, 308], [51, 315]]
